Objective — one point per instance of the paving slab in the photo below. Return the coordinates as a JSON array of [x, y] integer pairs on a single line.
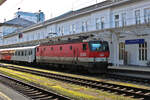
[[134, 68], [7, 93]]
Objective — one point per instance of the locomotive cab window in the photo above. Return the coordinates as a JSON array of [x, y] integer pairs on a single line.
[[99, 46], [105, 46], [96, 46], [84, 47]]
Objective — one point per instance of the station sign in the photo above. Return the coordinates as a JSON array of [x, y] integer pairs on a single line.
[[135, 41]]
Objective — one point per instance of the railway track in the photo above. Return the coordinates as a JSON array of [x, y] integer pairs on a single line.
[[31, 91], [143, 94], [139, 77]]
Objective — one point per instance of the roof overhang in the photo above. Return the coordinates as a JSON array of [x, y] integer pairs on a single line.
[[2, 1], [5, 24]]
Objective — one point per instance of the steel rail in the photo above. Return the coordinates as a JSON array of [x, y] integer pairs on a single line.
[[134, 92], [29, 90]]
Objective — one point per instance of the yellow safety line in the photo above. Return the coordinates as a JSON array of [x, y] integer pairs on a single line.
[[4, 96]]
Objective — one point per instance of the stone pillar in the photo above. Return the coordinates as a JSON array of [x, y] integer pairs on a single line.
[[115, 40]]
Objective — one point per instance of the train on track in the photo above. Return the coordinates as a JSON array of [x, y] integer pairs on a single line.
[[91, 55]]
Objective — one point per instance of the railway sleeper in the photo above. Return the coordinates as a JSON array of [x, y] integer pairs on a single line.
[[39, 96]]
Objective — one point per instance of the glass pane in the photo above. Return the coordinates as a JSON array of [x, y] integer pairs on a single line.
[[145, 44], [142, 54], [139, 45], [95, 47], [139, 54], [145, 54]]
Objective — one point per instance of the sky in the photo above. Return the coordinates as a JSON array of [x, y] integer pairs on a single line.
[[51, 8]]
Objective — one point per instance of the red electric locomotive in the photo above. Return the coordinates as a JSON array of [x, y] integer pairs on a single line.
[[90, 55], [87, 54]]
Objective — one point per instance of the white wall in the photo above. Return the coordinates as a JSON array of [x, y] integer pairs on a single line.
[[130, 9], [90, 18]]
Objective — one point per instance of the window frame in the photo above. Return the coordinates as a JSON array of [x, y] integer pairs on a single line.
[[117, 17], [147, 15], [143, 52], [137, 16]]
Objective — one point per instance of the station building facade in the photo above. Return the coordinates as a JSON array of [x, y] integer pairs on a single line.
[[125, 24], [34, 17]]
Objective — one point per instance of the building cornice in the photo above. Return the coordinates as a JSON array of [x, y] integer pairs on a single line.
[[73, 15], [5, 24]]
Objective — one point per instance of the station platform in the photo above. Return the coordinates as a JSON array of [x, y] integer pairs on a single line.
[[131, 67], [7, 93]]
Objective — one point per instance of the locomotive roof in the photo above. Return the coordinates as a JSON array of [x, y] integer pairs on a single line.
[[62, 42], [67, 42], [19, 48]]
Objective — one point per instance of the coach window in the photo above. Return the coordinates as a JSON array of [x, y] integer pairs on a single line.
[[22, 53], [15, 53], [70, 47], [60, 48], [31, 52], [84, 47], [18, 53]]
